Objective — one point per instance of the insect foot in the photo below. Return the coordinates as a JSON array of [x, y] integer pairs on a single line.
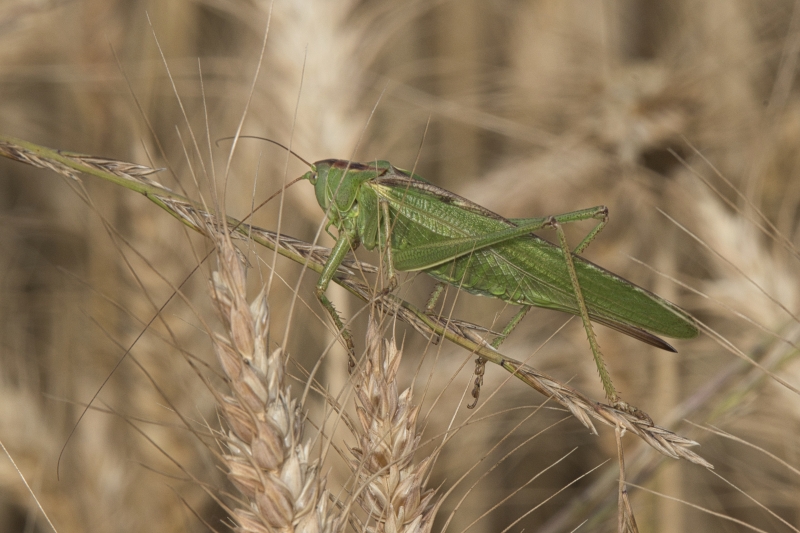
[[390, 287], [633, 410], [480, 370]]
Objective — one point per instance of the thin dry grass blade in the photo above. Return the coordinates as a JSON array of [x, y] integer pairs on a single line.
[[313, 257]]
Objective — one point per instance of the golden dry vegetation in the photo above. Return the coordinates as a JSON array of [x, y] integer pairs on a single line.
[[682, 117]]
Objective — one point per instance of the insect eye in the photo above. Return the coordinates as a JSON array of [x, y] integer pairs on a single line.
[[310, 176]]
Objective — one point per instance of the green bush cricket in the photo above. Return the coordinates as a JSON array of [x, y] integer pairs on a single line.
[[420, 227]]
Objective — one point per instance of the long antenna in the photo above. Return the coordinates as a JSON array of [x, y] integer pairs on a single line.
[[269, 141]]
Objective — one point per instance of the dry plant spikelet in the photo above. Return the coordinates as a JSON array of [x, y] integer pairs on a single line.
[[206, 223], [267, 459], [392, 488]]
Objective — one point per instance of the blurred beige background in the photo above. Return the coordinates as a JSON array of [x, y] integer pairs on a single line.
[[527, 107]]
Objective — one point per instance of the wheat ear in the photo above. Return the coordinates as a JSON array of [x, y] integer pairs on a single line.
[[266, 456], [392, 489]]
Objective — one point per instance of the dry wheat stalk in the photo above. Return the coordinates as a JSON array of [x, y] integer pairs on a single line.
[[392, 489], [267, 459], [461, 333]]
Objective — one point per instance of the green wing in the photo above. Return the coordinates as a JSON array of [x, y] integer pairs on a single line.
[[436, 231], [432, 254]]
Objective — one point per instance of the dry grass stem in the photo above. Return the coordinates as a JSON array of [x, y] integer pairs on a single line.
[[390, 487], [584, 409], [462, 333], [267, 458], [71, 165], [626, 522], [682, 117]]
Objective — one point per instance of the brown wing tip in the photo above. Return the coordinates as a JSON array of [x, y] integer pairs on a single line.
[[666, 346], [636, 333], [652, 340]]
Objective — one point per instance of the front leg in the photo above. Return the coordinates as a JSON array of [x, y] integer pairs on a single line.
[[344, 244]]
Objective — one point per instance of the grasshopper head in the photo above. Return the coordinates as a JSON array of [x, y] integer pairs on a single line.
[[337, 183], [318, 177]]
